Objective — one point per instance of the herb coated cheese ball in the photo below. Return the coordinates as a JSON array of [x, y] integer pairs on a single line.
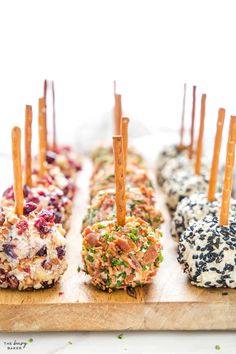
[[117, 257], [207, 253], [140, 203], [32, 250], [105, 179]]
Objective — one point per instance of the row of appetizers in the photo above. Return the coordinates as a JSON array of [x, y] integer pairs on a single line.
[[203, 212], [35, 211]]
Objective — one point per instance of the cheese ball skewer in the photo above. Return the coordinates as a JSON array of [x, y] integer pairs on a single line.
[[199, 205], [207, 249], [183, 183], [32, 247], [125, 252]]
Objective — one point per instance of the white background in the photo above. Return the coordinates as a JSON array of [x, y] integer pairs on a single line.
[[151, 48]]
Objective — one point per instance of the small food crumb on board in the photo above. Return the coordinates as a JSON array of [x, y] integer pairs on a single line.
[[120, 336], [217, 347], [30, 340]]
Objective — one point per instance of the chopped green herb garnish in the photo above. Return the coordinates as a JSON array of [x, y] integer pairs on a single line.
[[116, 262], [160, 257], [78, 269], [123, 275], [90, 258], [217, 347], [102, 226], [30, 340], [120, 336], [133, 237], [104, 258], [119, 283]]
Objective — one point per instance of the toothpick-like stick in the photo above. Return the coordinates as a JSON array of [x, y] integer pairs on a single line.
[[42, 137], [17, 170], [228, 178], [216, 155], [28, 138], [114, 87], [117, 114], [45, 90], [54, 146], [190, 151], [200, 136], [124, 132], [120, 180], [181, 144]]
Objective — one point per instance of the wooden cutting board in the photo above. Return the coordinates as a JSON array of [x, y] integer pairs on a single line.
[[170, 303]]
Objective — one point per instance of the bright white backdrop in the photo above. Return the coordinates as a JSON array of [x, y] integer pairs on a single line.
[[151, 48]]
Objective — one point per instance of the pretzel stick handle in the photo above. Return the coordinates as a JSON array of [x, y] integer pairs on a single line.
[[200, 136], [228, 178], [181, 144], [120, 180], [42, 137], [190, 150], [216, 155], [117, 114], [28, 138], [124, 131], [54, 146], [17, 170]]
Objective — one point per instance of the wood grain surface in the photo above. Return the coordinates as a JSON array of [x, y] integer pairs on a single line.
[[170, 303]]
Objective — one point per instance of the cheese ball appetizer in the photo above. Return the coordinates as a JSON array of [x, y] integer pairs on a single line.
[[32, 250], [105, 179], [168, 153], [104, 156], [66, 159], [117, 257], [182, 184], [194, 208], [38, 198], [140, 203], [207, 253]]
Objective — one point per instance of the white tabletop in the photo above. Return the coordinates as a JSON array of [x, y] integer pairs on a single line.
[[109, 343]]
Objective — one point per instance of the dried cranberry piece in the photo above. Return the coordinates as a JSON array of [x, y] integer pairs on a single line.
[[42, 251], [46, 285], [29, 207], [2, 276], [22, 226], [42, 226], [42, 193], [9, 250], [33, 199], [26, 191], [54, 202], [50, 157], [12, 281], [58, 218], [60, 251], [47, 215], [9, 193]]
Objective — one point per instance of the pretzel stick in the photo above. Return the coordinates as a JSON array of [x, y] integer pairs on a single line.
[[42, 137], [216, 154], [190, 151], [117, 114], [28, 137], [200, 136], [17, 170], [228, 178], [120, 180], [54, 146], [181, 144], [124, 132]]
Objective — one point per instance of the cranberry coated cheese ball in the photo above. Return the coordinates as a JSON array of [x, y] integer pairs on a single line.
[[207, 253], [66, 159], [140, 203], [38, 198], [32, 250], [105, 179], [182, 184], [117, 257]]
